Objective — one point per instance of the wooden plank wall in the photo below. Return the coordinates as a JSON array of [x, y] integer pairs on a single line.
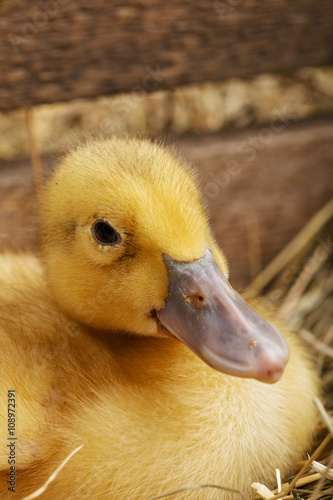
[[58, 50]]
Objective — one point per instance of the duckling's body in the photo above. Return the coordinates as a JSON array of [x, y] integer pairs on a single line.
[[151, 415]]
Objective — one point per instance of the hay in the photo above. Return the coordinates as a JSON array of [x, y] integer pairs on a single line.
[[54, 474]]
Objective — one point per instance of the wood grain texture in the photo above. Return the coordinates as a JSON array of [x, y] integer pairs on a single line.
[[273, 189], [58, 50]]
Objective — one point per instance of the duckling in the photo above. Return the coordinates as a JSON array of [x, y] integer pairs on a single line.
[[125, 336]]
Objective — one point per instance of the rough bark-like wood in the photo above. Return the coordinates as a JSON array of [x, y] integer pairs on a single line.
[[58, 50], [279, 185]]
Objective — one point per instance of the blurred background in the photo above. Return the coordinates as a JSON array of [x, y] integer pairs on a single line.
[[243, 88]]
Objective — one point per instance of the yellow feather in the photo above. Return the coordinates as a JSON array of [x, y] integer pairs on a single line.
[[83, 353]]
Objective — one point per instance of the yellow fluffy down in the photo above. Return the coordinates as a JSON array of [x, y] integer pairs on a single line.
[[83, 353]]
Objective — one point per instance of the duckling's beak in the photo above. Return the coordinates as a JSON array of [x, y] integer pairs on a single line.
[[206, 314]]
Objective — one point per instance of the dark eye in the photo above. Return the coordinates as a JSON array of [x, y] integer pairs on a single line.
[[104, 233]]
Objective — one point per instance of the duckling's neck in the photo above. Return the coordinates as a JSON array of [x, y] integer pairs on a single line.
[[159, 362]]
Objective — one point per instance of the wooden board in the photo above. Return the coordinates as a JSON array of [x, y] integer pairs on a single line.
[[271, 190], [59, 50]]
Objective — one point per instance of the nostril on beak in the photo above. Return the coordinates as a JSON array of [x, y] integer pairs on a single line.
[[196, 300]]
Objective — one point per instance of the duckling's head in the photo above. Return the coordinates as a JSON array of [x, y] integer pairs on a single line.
[[128, 248]]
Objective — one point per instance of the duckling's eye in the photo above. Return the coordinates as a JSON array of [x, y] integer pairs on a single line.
[[104, 234]]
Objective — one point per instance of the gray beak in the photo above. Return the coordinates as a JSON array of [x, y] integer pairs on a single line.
[[215, 322]]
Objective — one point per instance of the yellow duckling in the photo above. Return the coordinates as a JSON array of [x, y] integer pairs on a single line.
[[126, 337]]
